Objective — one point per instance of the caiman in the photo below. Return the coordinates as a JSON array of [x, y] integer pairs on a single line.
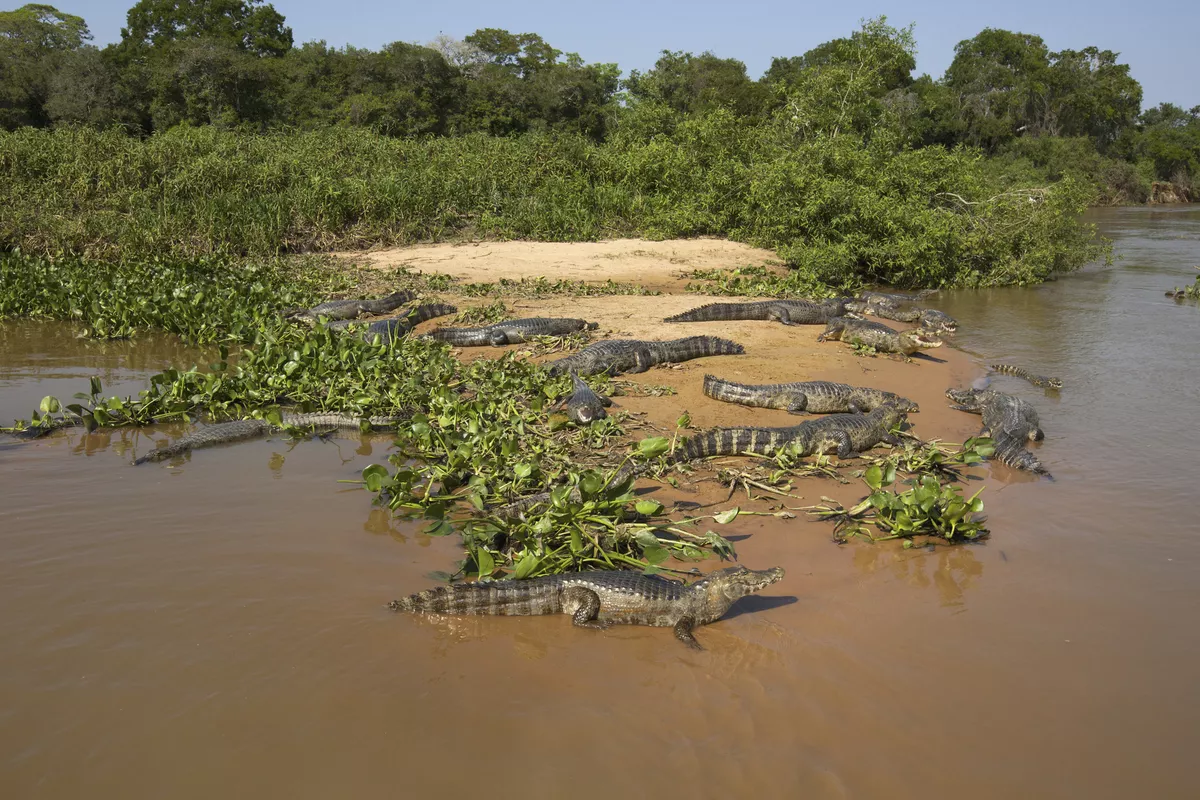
[[403, 323], [789, 312], [878, 336], [1036, 380], [846, 434], [513, 331], [1002, 413], [1009, 421], [928, 319], [242, 429], [585, 405], [350, 309], [615, 356], [600, 599], [813, 397]]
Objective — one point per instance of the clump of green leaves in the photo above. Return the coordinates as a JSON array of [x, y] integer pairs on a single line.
[[1187, 292], [927, 508]]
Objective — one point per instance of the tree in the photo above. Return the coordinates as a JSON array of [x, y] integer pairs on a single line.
[[1170, 138], [850, 85], [894, 72], [34, 40], [1090, 94], [86, 90], [693, 84], [524, 84], [1000, 79], [245, 25]]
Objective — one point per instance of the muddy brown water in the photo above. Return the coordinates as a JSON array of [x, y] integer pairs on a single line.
[[217, 628]]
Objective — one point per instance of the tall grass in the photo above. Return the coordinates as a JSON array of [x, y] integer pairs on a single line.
[[845, 211]]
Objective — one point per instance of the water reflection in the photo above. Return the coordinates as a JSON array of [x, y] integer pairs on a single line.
[[950, 569]]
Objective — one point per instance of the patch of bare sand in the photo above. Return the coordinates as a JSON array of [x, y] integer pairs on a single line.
[[655, 265]]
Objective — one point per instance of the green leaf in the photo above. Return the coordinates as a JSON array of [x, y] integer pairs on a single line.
[[653, 446], [526, 566], [648, 508], [656, 554], [485, 562], [49, 405], [374, 476], [873, 476], [727, 516]]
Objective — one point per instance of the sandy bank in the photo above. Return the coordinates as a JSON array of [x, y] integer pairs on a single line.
[[656, 265]]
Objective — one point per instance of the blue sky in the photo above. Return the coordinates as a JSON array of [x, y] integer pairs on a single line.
[[1157, 39]]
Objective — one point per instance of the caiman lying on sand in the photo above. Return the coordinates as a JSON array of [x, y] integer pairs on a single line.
[[1010, 421], [401, 324], [813, 397], [242, 429], [1036, 380], [584, 405], [513, 331], [845, 434], [599, 599], [350, 309], [789, 312], [615, 356], [878, 336]]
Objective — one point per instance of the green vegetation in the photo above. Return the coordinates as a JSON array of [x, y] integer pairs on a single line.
[[931, 506], [839, 210], [1187, 292], [206, 131]]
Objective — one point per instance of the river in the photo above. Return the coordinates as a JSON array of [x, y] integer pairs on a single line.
[[217, 628]]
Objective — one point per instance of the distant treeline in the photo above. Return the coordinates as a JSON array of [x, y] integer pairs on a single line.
[[233, 64]]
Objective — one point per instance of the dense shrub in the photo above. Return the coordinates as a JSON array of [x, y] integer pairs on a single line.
[[844, 209]]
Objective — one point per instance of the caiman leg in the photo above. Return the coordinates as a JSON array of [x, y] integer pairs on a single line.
[[589, 608], [799, 405], [845, 448], [643, 360], [683, 632]]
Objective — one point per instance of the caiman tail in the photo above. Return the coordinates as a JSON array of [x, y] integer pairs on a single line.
[[694, 347], [732, 441], [499, 598], [1011, 452]]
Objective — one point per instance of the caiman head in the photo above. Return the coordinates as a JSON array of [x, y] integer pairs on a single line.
[[919, 339], [935, 321], [902, 403], [724, 587], [969, 399], [890, 415]]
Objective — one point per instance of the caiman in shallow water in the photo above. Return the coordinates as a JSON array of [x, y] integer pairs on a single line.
[[599, 599], [879, 336], [1037, 380], [615, 356], [513, 331], [1008, 420], [789, 312], [242, 429], [813, 397]]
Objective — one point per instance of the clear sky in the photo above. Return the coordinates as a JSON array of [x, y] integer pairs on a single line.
[[1157, 38]]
